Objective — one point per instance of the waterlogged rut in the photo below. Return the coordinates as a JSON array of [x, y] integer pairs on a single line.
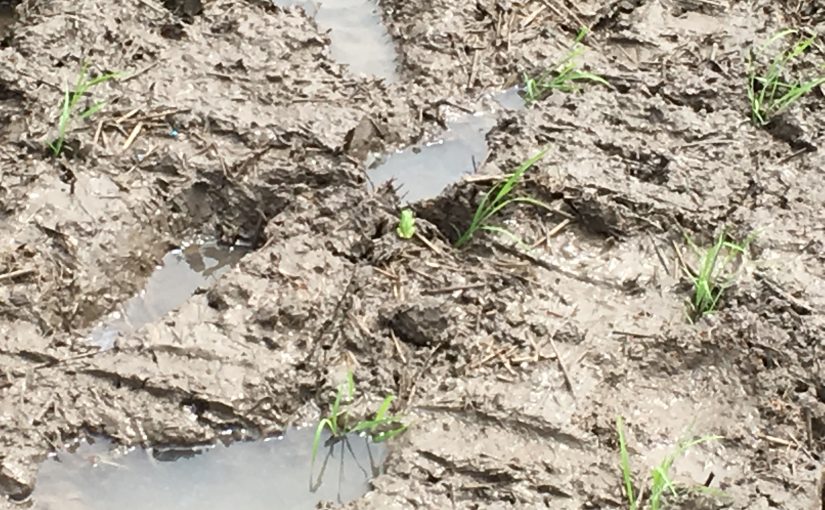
[[260, 475]]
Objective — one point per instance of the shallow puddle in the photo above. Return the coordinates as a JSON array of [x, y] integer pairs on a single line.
[[423, 171], [510, 99], [359, 38], [265, 475], [180, 274]]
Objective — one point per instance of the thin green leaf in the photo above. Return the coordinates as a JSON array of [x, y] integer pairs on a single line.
[[102, 78], [92, 109], [316, 442], [384, 407], [390, 434], [624, 463], [504, 232]]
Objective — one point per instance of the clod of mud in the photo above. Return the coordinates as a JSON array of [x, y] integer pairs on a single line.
[[364, 139], [789, 129]]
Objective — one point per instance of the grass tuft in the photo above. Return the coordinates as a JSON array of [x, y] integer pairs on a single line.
[[770, 90], [382, 427], [563, 76], [497, 199], [718, 270], [69, 107], [660, 483]]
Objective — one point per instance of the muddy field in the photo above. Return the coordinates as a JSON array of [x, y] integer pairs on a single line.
[[235, 120]]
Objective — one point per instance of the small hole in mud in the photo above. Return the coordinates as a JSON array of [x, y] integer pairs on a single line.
[[768, 362], [174, 31], [71, 150], [186, 9]]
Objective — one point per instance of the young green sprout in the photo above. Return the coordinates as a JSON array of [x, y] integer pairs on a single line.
[[71, 98], [406, 224], [715, 274], [562, 76], [660, 483], [382, 427], [497, 199], [770, 90]]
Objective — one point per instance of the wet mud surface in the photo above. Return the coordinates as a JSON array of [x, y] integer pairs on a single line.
[[234, 121]]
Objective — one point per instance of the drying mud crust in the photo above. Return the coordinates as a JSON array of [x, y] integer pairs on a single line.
[[230, 119]]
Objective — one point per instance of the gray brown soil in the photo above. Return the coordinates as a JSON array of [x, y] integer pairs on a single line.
[[472, 342]]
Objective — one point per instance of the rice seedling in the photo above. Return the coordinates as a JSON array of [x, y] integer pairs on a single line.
[[69, 107], [770, 89], [406, 224], [562, 76], [497, 199], [381, 427], [717, 271], [660, 485]]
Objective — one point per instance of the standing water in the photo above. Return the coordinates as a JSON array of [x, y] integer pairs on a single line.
[[180, 274], [422, 172], [359, 38], [261, 475]]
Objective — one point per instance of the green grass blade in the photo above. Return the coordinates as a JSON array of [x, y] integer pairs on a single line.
[[390, 434], [562, 75], [384, 407], [624, 463], [92, 109], [532, 201], [586, 76], [102, 78], [779, 35], [316, 441], [62, 124], [350, 385], [503, 231]]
